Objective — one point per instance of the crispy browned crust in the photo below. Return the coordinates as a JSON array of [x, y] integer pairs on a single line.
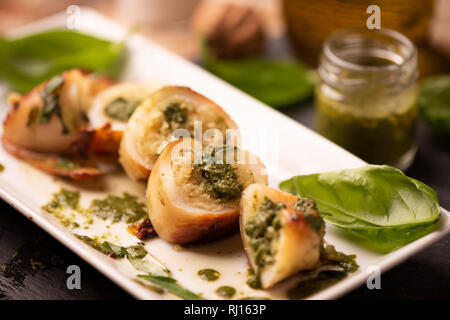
[[49, 162], [100, 143]]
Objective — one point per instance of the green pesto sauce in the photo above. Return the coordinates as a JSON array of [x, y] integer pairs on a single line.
[[60, 207], [262, 228], [329, 254], [2, 167], [121, 109], [221, 178], [67, 164], [308, 208], [174, 113], [306, 288], [64, 199], [329, 257], [126, 208], [208, 274], [377, 137], [253, 279], [226, 292]]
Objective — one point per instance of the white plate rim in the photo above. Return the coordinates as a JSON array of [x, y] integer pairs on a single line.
[[96, 259]]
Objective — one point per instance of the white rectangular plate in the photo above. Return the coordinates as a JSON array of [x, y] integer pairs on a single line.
[[285, 146]]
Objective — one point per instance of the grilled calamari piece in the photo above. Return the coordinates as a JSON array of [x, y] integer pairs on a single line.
[[48, 126], [166, 115], [191, 201], [281, 233]]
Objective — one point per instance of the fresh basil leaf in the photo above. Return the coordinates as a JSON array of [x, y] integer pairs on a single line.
[[171, 286], [277, 83], [136, 252], [106, 247], [388, 239], [434, 102], [30, 60], [90, 242], [378, 203], [139, 258], [51, 102], [112, 249], [150, 265]]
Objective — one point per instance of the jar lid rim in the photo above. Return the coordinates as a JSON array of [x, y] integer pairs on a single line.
[[397, 36]]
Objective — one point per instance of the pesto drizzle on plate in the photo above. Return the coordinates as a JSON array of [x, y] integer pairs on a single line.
[[226, 292], [208, 274], [125, 208]]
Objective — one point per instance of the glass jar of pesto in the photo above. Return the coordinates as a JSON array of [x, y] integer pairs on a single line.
[[366, 98]]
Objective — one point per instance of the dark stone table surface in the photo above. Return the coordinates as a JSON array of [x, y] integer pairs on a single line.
[[33, 264]]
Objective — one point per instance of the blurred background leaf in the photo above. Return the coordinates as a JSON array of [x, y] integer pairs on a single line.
[[276, 82], [32, 59], [434, 102]]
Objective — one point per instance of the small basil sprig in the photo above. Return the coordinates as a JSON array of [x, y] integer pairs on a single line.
[[142, 261], [51, 103], [377, 203]]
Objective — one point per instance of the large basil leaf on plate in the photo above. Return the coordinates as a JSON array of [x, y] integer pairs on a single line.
[[378, 203]]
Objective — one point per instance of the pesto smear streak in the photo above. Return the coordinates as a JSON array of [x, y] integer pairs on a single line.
[[221, 179], [62, 207], [226, 292], [208, 274], [126, 208], [65, 203]]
